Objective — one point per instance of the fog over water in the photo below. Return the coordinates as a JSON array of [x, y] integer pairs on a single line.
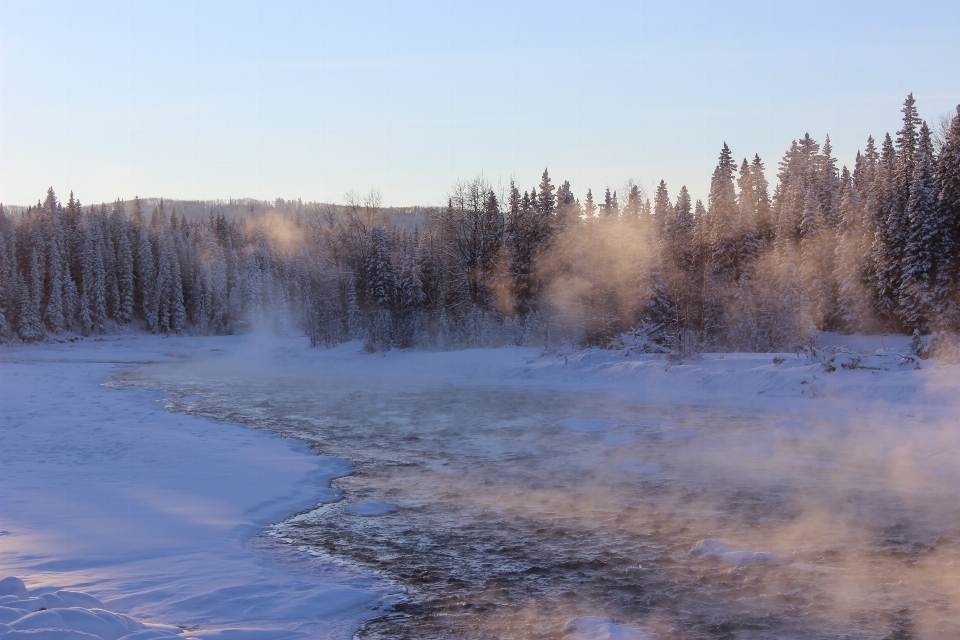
[[508, 512]]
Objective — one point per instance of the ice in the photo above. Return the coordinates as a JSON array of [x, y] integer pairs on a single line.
[[716, 550], [372, 508], [595, 628]]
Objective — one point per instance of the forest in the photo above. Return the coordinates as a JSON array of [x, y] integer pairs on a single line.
[[872, 249]]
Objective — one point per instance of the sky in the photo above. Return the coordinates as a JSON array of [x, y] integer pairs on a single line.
[[264, 99]]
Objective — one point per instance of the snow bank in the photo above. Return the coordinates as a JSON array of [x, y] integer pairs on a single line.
[[68, 615], [859, 371], [157, 515]]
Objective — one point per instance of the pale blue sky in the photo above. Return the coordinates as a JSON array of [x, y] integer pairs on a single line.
[[218, 99]]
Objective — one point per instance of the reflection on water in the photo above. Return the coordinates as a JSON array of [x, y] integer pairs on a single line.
[[509, 513]]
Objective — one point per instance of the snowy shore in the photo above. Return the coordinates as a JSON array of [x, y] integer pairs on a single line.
[[156, 514], [159, 515]]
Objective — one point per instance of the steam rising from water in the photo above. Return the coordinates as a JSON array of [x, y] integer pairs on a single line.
[[520, 510]]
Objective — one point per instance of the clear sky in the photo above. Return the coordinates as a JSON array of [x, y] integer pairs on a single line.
[[219, 99]]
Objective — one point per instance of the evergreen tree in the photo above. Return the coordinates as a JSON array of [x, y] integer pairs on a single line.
[[761, 202], [125, 275], [907, 139], [178, 312], [948, 215], [607, 209], [888, 243], [381, 280], [546, 200], [589, 208], [662, 209], [31, 293], [828, 185], [852, 296], [723, 222], [917, 302]]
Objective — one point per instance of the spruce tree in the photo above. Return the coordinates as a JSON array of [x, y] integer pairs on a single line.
[[546, 200], [53, 314], [917, 302], [947, 286], [848, 271], [125, 277], [724, 232], [662, 209], [589, 208], [888, 245], [828, 185]]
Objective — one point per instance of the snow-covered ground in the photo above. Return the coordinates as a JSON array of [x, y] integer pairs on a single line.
[[753, 486], [156, 514]]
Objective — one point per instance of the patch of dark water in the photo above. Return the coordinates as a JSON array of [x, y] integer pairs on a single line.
[[518, 510]]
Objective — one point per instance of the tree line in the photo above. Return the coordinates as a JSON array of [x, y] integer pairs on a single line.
[[872, 249]]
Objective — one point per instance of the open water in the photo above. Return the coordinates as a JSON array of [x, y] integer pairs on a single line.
[[508, 513]]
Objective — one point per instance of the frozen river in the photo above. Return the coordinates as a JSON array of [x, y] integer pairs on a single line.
[[508, 512]]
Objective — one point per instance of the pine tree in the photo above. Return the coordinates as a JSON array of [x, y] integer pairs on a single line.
[[568, 209], [9, 291], [218, 306], [546, 200], [662, 209], [178, 312], [381, 281], [916, 303], [761, 204], [888, 243], [792, 324], [53, 314], [607, 209], [724, 232], [947, 286], [589, 208], [852, 297], [99, 289], [828, 185], [907, 140], [125, 277], [31, 293]]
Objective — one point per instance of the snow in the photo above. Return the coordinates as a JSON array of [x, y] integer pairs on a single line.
[[157, 515], [716, 550], [68, 615]]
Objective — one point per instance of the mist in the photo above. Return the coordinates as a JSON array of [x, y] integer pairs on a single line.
[[522, 507]]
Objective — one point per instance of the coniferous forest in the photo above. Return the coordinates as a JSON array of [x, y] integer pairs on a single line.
[[754, 268]]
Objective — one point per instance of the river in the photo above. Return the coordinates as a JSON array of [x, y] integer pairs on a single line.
[[507, 513]]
